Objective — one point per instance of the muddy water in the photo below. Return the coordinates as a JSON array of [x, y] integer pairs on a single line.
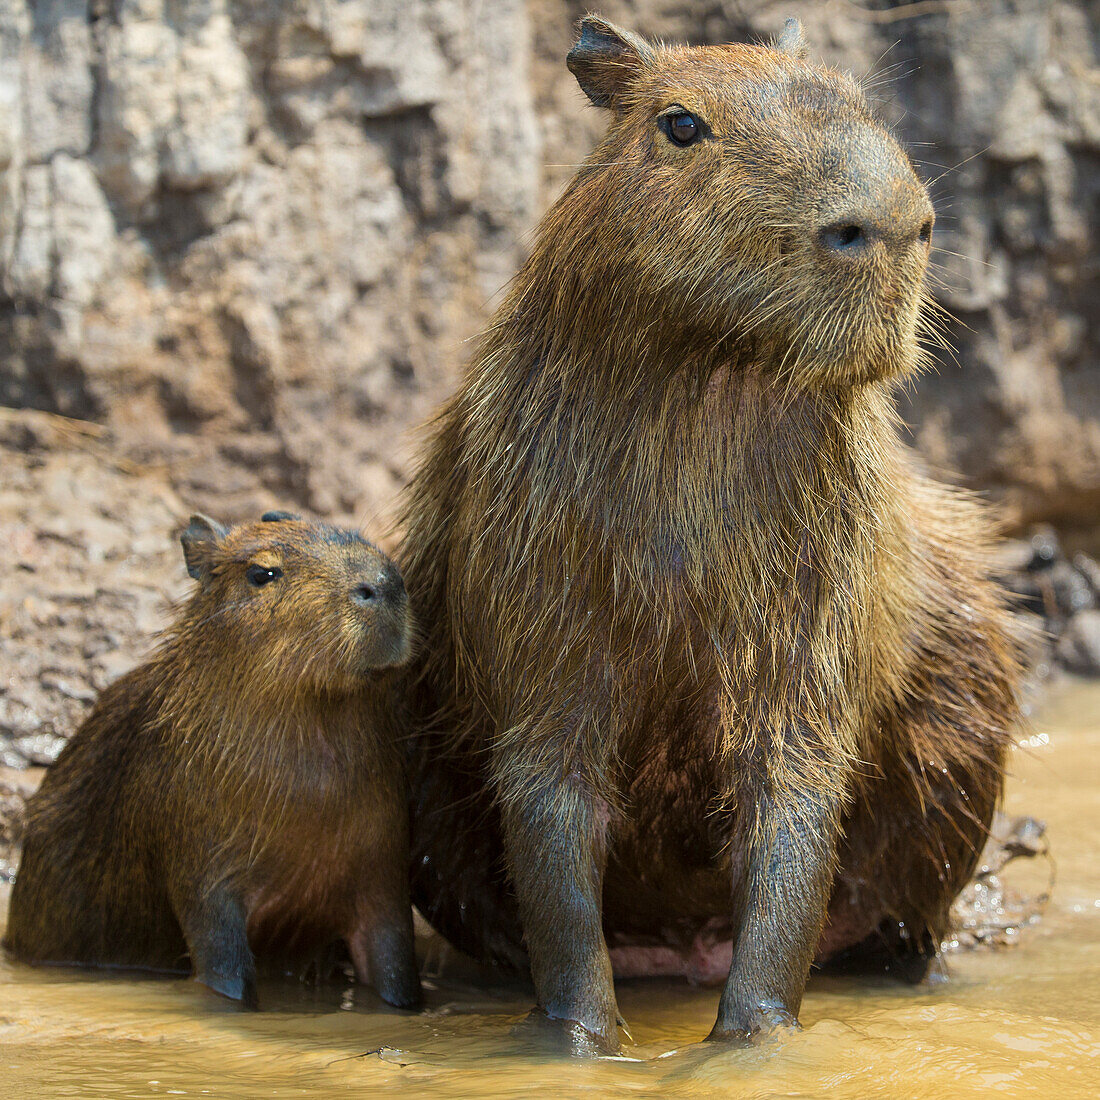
[[1018, 1021]]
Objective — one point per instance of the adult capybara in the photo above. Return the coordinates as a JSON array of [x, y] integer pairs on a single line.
[[241, 793], [704, 647]]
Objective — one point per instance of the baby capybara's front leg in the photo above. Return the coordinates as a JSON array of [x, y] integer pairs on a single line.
[[383, 950], [382, 942], [215, 927], [555, 836], [779, 911]]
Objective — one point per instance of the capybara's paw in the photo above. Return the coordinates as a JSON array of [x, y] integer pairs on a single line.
[[762, 1024], [384, 957], [565, 1037], [400, 988], [238, 987]]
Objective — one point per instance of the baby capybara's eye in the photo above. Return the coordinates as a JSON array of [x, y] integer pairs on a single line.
[[259, 575], [682, 128]]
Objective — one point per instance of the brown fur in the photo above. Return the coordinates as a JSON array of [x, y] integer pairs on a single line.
[[706, 648], [240, 792]]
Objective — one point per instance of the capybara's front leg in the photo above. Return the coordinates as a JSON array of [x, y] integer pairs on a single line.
[[214, 925], [382, 943], [383, 949], [779, 911], [555, 838]]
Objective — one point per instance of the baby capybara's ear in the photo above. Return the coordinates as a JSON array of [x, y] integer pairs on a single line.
[[792, 41], [200, 544], [606, 59]]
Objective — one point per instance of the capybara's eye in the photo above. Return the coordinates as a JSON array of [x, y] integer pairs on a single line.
[[926, 232], [682, 128], [259, 575]]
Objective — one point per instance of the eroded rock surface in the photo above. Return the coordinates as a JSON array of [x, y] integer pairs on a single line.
[[1058, 596], [252, 236], [91, 567]]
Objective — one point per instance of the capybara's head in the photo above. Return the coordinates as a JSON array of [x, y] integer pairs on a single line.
[[300, 605], [744, 193]]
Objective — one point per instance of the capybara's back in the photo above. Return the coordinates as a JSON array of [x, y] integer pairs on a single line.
[[715, 679], [240, 795], [88, 889]]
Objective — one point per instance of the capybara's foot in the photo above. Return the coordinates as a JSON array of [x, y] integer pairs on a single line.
[[214, 924], [761, 1024], [400, 986], [911, 960], [565, 1037], [239, 987], [321, 965], [384, 956]]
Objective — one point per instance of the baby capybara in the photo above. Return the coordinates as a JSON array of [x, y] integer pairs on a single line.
[[240, 796], [715, 679]]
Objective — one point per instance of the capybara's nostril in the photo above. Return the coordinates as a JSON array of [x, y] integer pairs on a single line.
[[897, 226], [844, 237], [387, 585]]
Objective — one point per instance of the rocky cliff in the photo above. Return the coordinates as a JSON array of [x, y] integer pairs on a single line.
[[250, 237]]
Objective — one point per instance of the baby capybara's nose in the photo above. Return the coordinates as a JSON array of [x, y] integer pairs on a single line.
[[380, 587], [876, 199]]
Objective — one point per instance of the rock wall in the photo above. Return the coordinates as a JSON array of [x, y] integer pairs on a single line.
[[250, 237]]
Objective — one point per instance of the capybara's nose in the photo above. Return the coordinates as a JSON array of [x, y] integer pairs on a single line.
[[382, 587], [853, 235], [877, 201]]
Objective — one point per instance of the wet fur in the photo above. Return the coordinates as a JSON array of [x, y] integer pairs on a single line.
[[708, 656], [243, 781]]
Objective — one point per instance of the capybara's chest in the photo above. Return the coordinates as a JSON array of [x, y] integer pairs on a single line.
[[302, 882], [300, 841], [670, 834]]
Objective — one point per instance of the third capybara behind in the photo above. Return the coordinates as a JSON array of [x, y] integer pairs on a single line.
[[239, 797], [715, 679]]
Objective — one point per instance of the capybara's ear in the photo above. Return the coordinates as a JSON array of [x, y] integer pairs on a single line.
[[278, 517], [606, 59], [200, 542], [791, 40]]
